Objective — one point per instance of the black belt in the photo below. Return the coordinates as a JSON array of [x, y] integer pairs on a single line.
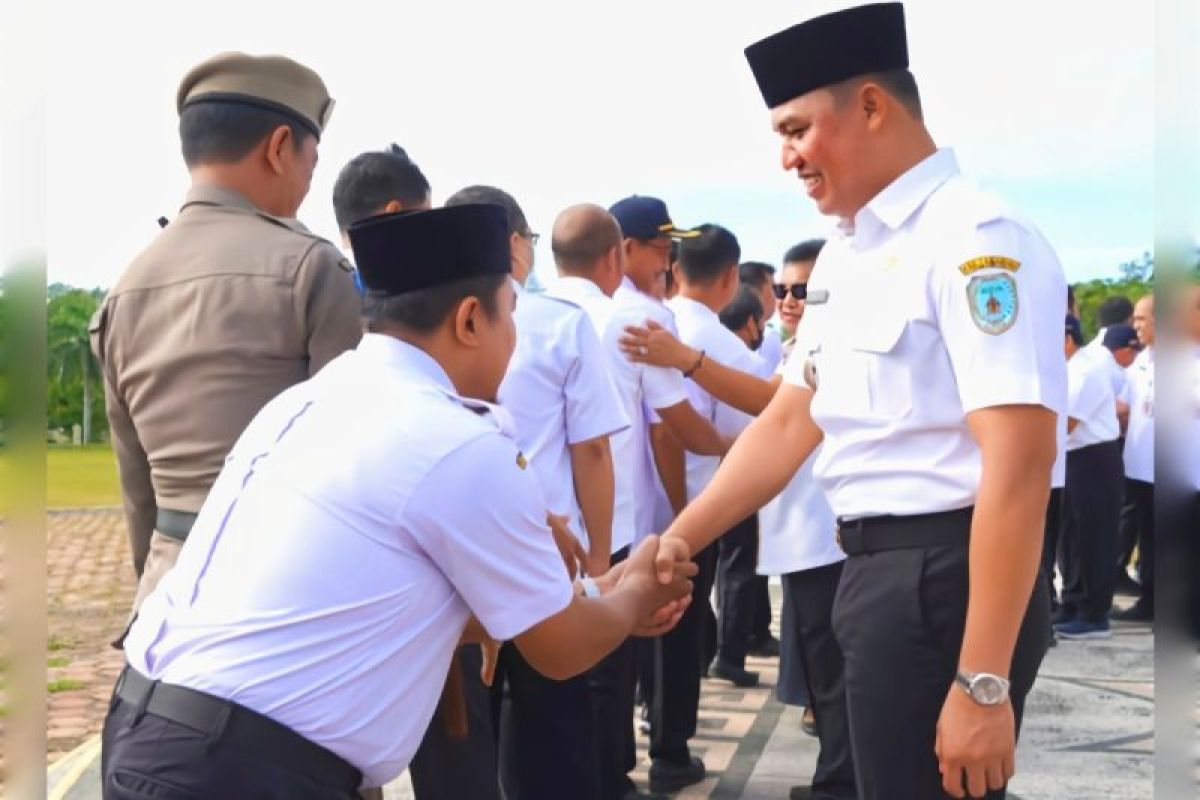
[[874, 534], [176, 524], [226, 721]]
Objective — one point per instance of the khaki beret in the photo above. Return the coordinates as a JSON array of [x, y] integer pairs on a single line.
[[272, 82]]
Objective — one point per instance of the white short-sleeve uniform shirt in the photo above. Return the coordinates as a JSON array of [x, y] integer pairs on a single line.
[[641, 387], [797, 529], [771, 350], [362, 517], [941, 302], [1090, 400], [701, 328], [1139, 435], [558, 391]]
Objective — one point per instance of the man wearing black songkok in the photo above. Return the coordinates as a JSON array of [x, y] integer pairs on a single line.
[[930, 378]]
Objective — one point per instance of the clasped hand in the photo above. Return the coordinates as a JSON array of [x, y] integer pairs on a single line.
[[659, 571]]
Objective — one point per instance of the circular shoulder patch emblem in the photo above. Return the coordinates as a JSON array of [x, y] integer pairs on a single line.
[[993, 302]]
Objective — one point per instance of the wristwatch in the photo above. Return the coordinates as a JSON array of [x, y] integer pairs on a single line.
[[983, 687]]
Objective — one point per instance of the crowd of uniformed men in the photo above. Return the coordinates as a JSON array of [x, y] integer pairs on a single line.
[[352, 482]]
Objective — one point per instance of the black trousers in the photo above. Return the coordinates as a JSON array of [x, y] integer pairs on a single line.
[[1095, 484], [792, 686], [1050, 541], [811, 593], [147, 757], [1139, 497], [737, 590], [613, 692], [448, 769], [761, 629], [546, 733], [678, 663], [1127, 530], [899, 617]]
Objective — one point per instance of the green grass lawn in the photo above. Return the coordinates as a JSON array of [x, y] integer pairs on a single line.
[[81, 476]]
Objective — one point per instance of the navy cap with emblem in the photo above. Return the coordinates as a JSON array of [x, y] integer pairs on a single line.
[[829, 49], [1074, 330], [1118, 336], [413, 250], [642, 217]]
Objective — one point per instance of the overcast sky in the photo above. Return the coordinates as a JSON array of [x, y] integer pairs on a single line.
[[1049, 102]]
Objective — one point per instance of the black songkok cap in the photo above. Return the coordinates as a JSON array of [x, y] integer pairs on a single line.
[[413, 250], [829, 49]]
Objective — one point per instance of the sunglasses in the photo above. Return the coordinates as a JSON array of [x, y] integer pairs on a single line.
[[799, 291]]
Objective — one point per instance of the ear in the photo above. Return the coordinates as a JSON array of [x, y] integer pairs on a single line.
[[466, 322], [278, 145], [874, 103], [393, 206]]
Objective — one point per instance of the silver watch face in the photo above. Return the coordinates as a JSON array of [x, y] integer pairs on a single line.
[[988, 690]]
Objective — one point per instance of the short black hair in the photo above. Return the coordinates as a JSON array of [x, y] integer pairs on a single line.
[[805, 251], [744, 306], [899, 83], [222, 133], [490, 194], [1114, 310], [423, 310], [755, 273], [705, 257], [373, 179]]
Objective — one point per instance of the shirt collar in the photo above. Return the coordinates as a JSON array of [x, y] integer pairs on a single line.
[[902, 197], [570, 286], [690, 306], [211, 194], [406, 357]]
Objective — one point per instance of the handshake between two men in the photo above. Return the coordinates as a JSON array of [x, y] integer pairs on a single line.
[[644, 595]]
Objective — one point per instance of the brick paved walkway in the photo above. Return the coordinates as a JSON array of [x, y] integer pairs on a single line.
[[89, 587]]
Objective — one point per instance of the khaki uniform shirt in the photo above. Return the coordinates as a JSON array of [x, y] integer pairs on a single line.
[[225, 309]]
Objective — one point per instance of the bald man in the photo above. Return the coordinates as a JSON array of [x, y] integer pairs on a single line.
[[1139, 459], [588, 252]]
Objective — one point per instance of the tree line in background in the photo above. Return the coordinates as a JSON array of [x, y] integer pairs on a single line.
[[75, 393]]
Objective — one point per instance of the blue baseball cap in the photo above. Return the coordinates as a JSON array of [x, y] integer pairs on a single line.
[[1118, 336], [1073, 330], [642, 217]]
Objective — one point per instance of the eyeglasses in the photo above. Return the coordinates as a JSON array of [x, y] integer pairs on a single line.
[[533, 238], [799, 291]]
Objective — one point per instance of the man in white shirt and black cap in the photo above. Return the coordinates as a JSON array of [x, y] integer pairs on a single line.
[[934, 376], [1093, 493], [410, 521]]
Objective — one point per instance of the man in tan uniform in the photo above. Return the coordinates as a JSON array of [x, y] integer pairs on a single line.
[[232, 303]]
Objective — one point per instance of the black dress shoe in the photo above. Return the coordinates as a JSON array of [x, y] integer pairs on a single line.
[[1138, 612], [738, 676], [667, 776], [765, 647]]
